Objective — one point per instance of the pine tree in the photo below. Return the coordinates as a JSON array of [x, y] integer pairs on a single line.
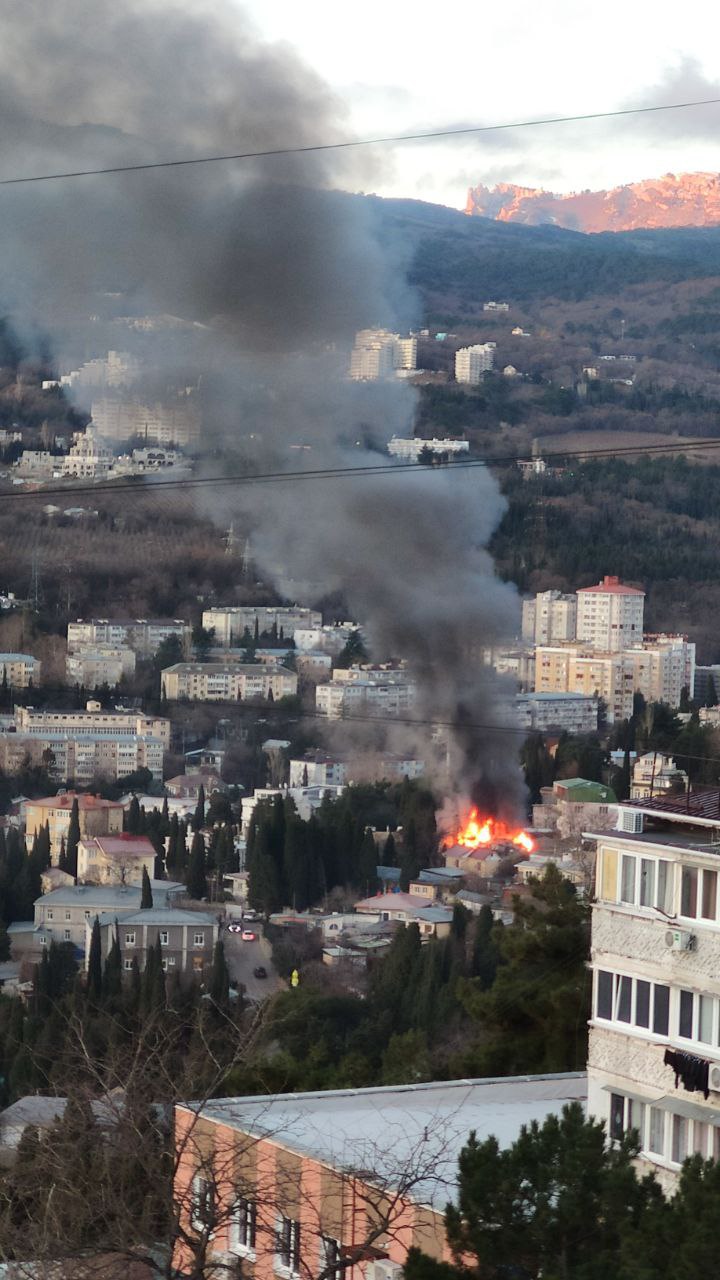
[[196, 881], [146, 897], [94, 970], [73, 839]]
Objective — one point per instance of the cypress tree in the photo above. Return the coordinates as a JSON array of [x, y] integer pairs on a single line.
[[365, 876], [62, 859], [152, 994], [196, 881], [94, 971], [73, 839], [164, 819], [133, 817], [112, 973], [171, 855], [389, 851], [198, 821], [219, 975], [146, 898]]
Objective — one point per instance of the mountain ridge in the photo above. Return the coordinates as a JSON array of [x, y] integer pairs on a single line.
[[668, 202]]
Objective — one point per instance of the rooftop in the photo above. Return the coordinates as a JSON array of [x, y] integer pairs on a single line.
[[65, 801], [160, 916], [390, 1129], [699, 806], [122, 845], [218, 668], [106, 896], [611, 585], [17, 657]]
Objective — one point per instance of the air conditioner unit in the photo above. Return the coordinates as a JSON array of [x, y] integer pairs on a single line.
[[384, 1270], [714, 1079], [679, 940], [631, 821]]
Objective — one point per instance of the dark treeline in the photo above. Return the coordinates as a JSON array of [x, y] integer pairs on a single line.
[[295, 863]]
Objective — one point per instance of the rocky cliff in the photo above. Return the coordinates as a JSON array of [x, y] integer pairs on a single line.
[[675, 200]]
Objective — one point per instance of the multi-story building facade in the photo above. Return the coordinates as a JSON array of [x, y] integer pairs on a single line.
[[62, 914], [143, 635], [213, 682], [19, 670], [96, 817], [93, 721], [375, 691], [80, 758], [549, 617], [187, 938], [116, 859], [173, 421], [102, 665], [472, 362], [319, 639], [230, 622], [378, 354], [654, 1060], [570, 712], [88, 458], [659, 669], [655, 774], [410, 449], [610, 615], [316, 769]]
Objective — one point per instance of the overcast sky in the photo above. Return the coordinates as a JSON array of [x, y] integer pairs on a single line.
[[402, 67]]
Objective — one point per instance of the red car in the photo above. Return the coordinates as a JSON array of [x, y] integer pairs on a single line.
[[248, 935]]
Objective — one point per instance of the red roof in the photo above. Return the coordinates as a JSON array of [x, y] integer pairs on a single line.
[[65, 801], [124, 845], [612, 586]]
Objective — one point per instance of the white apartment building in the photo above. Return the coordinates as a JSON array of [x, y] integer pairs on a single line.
[[549, 617], [472, 362], [654, 1051], [655, 774], [143, 635], [175, 421], [93, 721], [391, 693], [378, 354], [80, 758], [518, 662], [213, 682], [116, 369], [409, 450], [19, 670], [496, 306], [659, 669], [329, 639], [103, 665], [570, 712], [315, 769], [88, 458], [610, 615], [230, 622]]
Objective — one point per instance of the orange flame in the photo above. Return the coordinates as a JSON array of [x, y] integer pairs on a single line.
[[484, 831]]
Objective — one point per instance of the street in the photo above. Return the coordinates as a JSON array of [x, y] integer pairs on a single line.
[[243, 957]]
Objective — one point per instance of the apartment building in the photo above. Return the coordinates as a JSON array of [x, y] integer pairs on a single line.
[[187, 938], [659, 668], [61, 915], [93, 720], [143, 635], [360, 691], [377, 354], [115, 859], [102, 665], [19, 670], [319, 639], [316, 769], [88, 458], [549, 617], [173, 421], [232, 621], [655, 774], [568, 712], [213, 682], [96, 817], [517, 661], [472, 362], [409, 450], [654, 1060], [288, 1183], [610, 615], [81, 758]]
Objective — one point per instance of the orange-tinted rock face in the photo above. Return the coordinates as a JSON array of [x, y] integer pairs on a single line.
[[675, 200]]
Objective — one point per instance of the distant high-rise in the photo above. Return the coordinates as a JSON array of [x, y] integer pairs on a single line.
[[378, 354], [472, 362], [610, 615]]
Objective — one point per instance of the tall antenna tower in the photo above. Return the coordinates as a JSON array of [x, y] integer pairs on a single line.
[[246, 563], [231, 541]]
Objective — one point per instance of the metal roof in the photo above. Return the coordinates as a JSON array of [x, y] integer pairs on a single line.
[[159, 916]]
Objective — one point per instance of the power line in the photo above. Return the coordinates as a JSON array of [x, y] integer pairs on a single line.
[[140, 484], [425, 136]]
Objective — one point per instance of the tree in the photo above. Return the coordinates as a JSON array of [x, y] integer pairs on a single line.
[[353, 652], [198, 821], [203, 639], [557, 1203], [94, 970], [146, 897], [196, 881], [73, 839], [219, 976]]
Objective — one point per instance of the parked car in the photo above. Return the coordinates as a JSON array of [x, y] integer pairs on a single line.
[[248, 935], [260, 971], [235, 928]]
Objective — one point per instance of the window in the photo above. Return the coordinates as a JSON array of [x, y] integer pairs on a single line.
[[288, 1244], [679, 1139], [604, 994], [648, 870], [664, 886], [700, 1138], [623, 999], [709, 895], [199, 940], [330, 1251], [164, 937], [68, 915], [642, 1003], [656, 1133], [636, 1117], [706, 1010], [634, 1001], [696, 1017], [66, 935], [127, 965], [129, 939], [617, 1116], [661, 1009], [203, 1203], [685, 1021], [627, 879], [49, 915], [689, 892], [243, 1227], [87, 915]]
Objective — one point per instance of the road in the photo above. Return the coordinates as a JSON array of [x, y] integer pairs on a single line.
[[243, 957]]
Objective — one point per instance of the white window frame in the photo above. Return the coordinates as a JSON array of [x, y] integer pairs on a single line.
[[199, 940], [127, 965], [49, 915], [631, 1025], [66, 935], [129, 939], [287, 1246], [68, 915], [202, 1199], [164, 937], [243, 1228], [330, 1255]]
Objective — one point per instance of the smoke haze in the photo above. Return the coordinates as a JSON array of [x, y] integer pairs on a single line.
[[281, 267]]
